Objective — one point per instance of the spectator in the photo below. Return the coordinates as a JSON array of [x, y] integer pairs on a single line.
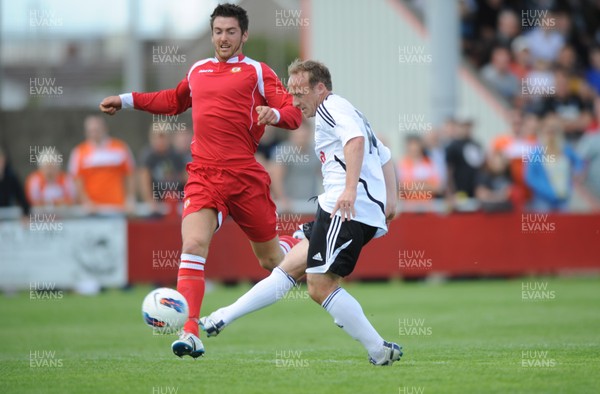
[[486, 17], [295, 169], [270, 139], [567, 61], [11, 189], [161, 170], [417, 175], [594, 125], [540, 80], [574, 113], [538, 83], [592, 75], [436, 153], [498, 76], [103, 170], [508, 28], [588, 149], [512, 146], [543, 42], [472, 47], [550, 168], [493, 185], [521, 65], [447, 131], [464, 157], [182, 140], [49, 185]]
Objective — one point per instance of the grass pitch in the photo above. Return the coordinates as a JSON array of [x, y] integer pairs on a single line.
[[458, 337]]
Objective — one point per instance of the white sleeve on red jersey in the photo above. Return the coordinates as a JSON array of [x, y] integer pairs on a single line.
[[126, 100]]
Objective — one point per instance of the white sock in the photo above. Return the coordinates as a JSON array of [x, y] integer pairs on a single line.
[[264, 293], [348, 314]]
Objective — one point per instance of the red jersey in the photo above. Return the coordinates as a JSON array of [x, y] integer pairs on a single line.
[[224, 97]]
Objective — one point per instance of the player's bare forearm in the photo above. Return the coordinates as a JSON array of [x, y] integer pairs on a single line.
[[391, 189], [353, 153]]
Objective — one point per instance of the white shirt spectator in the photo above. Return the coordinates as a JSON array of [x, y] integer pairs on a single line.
[[545, 44]]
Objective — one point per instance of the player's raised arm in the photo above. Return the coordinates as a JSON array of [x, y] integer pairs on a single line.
[[165, 102], [280, 110]]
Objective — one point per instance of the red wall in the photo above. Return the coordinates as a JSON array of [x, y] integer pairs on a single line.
[[455, 245]]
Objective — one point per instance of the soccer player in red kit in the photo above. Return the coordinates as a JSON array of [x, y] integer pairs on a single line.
[[232, 98]]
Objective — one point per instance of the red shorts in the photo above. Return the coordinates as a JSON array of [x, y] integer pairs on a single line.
[[242, 192]]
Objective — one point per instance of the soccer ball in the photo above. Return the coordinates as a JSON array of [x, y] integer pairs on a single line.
[[165, 310]]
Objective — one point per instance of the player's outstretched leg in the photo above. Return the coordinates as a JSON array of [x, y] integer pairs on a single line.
[[197, 229], [191, 284], [264, 293], [348, 315]]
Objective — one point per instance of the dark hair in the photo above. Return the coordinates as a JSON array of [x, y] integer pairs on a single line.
[[317, 72], [231, 11], [413, 137]]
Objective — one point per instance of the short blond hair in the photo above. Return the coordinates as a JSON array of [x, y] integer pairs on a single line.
[[317, 72]]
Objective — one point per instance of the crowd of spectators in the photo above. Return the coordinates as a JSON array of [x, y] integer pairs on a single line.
[[101, 174], [540, 57], [542, 60]]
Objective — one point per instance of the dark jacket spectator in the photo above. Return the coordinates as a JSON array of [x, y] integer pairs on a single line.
[[493, 185], [11, 189], [464, 157]]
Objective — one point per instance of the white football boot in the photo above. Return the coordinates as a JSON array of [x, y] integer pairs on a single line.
[[212, 325], [392, 352], [188, 345]]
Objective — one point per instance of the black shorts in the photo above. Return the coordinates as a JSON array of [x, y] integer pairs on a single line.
[[334, 245]]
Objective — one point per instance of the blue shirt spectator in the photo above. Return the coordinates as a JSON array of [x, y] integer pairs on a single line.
[[549, 169]]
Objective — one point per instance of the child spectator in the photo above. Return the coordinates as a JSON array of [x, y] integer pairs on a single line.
[[417, 175], [49, 185], [493, 185]]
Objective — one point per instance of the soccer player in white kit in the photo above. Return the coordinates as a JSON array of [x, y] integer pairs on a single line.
[[358, 202]]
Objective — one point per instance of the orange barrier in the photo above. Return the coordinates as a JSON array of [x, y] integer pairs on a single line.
[[418, 245]]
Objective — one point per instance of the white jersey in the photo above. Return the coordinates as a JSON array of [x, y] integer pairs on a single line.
[[337, 122]]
